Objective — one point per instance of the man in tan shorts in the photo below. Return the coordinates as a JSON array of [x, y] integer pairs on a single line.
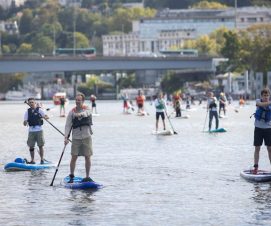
[[79, 120]]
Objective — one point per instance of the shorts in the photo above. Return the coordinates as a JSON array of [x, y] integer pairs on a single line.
[[140, 105], [34, 137], [82, 147], [261, 135], [93, 105], [162, 114]]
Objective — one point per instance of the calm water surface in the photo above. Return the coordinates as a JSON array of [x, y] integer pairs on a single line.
[[187, 179]]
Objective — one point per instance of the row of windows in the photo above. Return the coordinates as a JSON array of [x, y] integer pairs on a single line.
[[129, 37]]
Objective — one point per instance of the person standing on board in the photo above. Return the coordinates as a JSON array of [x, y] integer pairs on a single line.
[[33, 118], [140, 99], [160, 106], [79, 120], [212, 108], [222, 103], [93, 99], [62, 106], [262, 131], [177, 104]]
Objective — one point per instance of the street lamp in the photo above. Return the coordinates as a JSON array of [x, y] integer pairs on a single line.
[[235, 13]]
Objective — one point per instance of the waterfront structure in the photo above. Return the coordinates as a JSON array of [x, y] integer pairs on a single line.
[[7, 3], [70, 3], [170, 28], [9, 27]]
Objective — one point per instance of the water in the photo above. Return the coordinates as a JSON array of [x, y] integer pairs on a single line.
[[187, 179]]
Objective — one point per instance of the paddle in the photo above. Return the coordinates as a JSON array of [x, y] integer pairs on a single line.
[[170, 123], [205, 121], [52, 183], [47, 121]]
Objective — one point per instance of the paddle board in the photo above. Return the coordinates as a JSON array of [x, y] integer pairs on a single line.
[[163, 132], [261, 176], [20, 164], [223, 116], [95, 114], [219, 130], [78, 184], [184, 117]]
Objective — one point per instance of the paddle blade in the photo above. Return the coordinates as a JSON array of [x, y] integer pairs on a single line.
[[175, 132]]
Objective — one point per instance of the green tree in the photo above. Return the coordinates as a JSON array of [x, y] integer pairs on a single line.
[[209, 5], [206, 46], [24, 48], [43, 44], [26, 22]]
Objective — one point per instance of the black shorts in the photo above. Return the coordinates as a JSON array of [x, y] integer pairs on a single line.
[[162, 114], [261, 135], [140, 105]]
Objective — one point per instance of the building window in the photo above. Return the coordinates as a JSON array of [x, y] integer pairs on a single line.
[[242, 20], [252, 19]]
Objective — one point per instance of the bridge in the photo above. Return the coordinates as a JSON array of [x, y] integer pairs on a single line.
[[60, 64]]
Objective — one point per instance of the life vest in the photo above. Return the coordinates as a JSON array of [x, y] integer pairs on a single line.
[[79, 122], [140, 99], [263, 113], [212, 105], [34, 117], [160, 105]]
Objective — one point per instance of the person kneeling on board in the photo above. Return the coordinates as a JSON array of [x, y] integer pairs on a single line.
[[262, 131], [80, 120]]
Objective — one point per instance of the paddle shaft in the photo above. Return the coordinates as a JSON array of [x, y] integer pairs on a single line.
[[170, 123], [49, 123], [205, 121], [52, 183]]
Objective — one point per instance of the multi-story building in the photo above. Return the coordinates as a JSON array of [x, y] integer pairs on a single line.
[[9, 27], [172, 27], [7, 3]]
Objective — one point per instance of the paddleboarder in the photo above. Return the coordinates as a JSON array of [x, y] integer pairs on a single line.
[[262, 131], [140, 99], [33, 118], [160, 106], [212, 108], [80, 120]]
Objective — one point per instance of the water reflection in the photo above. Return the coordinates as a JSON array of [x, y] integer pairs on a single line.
[[262, 198]]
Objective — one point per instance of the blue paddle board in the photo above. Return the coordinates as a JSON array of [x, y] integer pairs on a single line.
[[219, 130], [20, 164], [78, 184]]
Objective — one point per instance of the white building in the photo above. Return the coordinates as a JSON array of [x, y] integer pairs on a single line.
[[7, 3], [9, 27], [70, 3], [172, 27]]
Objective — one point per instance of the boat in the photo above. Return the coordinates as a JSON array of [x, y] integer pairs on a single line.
[[78, 184], [261, 176], [15, 95], [219, 130], [57, 96], [163, 132], [21, 164]]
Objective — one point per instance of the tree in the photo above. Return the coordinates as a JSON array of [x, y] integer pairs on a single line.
[[209, 5], [24, 48], [26, 22], [206, 46], [43, 44]]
